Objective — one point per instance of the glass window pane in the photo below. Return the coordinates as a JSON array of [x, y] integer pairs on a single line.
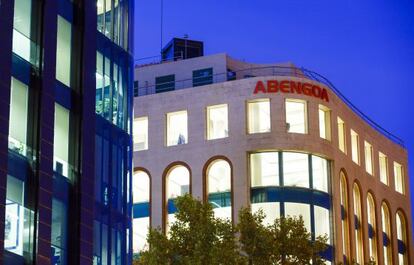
[[22, 44], [270, 209], [322, 222], [18, 117], [140, 132], [296, 116], [358, 226], [264, 169], [217, 122], [399, 178], [320, 172], [219, 188], [324, 122], [100, 18], [63, 51], [341, 135], [372, 228], [295, 170], [61, 141], [383, 164], [368, 158], [299, 209], [140, 228], [178, 182], [141, 187], [59, 231], [355, 146], [258, 116], [177, 128]]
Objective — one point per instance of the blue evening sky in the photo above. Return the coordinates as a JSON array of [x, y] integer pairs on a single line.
[[365, 47]]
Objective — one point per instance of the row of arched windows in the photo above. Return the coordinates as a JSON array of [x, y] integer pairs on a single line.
[[177, 182], [373, 242]]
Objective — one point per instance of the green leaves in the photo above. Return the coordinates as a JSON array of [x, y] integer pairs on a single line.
[[198, 238]]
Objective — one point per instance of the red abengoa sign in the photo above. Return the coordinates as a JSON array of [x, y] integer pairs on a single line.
[[287, 86]]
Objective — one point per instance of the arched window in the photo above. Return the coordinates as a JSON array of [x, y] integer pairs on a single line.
[[344, 217], [372, 227], [359, 248], [141, 210], [177, 184], [402, 238], [218, 186], [386, 232]]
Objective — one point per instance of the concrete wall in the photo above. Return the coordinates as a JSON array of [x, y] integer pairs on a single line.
[[236, 147]]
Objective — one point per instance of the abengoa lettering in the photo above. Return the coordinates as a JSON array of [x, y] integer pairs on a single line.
[[287, 86]]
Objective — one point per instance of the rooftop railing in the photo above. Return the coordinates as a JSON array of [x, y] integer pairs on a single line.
[[290, 71]]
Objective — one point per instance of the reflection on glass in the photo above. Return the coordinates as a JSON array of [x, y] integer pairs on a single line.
[[63, 51], [299, 209], [219, 188], [320, 173], [177, 132], [217, 122], [59, 233], [296, 116], [322, 222], [258, 115], [295, 170], [264, 169], [18, 117]]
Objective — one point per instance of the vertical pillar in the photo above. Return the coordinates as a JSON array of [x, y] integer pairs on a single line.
[[85, 191], [6, 29], [46, 132]]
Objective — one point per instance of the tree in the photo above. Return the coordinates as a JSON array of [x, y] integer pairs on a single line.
[[198, 238]]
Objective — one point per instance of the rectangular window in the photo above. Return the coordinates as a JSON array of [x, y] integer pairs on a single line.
[[217, 122], [61, 141], [136, 89], [264, 169], [140, 132], [295, 170], [324, 122], [355, 146], [258, 116], [399, 178], [164, 83], [63, 51], [177, 131], [22, 44], [299, 209], [369, 165], [18, 117], [341, 135], [296, 116], [383, 166], [203, 77], [320, 173]]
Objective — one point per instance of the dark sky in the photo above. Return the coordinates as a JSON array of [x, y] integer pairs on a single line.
[[365, 47]]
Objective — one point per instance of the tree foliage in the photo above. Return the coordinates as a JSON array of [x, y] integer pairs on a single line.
[[198, 238]]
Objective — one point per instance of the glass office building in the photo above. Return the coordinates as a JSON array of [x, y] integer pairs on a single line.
[[65, 133]]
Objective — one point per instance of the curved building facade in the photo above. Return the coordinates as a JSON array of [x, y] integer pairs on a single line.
[[273, 138]]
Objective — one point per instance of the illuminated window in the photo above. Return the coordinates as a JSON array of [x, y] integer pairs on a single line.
[[140, 132], [402, 238], [324, 122], [368, 158], [372, 228], [322, 222], [320, 173], [258, 116], [177, 184], [264, 169], [217, 122], [399, 178], [63, 51], [386, 233], [219, 188], [270, 209], [22, 27], [344, 216], [18, 117], [296, 116], [177, 132], [358, 225], [299, 209], [61, 141], [383, 167], [341, 135], [295, 170], [355, 146], [141, 214]]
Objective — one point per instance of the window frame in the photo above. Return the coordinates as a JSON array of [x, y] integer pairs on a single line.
[[248, 120], [305, 115], [167, 128], [327, 122], [208, 109]]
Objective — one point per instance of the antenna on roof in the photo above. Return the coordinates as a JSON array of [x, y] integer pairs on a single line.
[[162, 22]]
